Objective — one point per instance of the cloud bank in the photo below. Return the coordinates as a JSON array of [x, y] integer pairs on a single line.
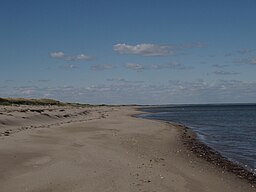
[[121, 91]]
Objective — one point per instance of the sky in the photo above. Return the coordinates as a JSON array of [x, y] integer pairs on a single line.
[[129, 52]]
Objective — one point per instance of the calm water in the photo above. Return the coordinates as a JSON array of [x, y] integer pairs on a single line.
[[229, 129]]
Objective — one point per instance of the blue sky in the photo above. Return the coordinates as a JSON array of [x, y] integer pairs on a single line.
[[123, 52]]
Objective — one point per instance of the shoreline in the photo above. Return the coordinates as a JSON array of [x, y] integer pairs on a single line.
[[203, 151], [102, 149]]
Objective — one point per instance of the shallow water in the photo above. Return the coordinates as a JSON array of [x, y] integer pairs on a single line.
[[229, 129]]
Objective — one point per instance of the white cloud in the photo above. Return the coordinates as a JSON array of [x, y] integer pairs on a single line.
[[244, 51], [8, 80], [43, 80], [251, 61], [148, 49], [63, 56], [225, 73], [98, 88], [101, 67], [219, 66], [58, 55], [27, 92], [122, 80], [143, 49], [70, 66], [170, 65], [228, 54], [192, 45], [241, 61], [200, 45], [135, 66], [82, 57]]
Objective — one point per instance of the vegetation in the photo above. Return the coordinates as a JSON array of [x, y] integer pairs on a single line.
[[23, 101]]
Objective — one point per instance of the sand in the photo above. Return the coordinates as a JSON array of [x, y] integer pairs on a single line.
[[100, 149]]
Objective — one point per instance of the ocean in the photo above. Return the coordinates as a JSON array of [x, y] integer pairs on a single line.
[[229, 129]]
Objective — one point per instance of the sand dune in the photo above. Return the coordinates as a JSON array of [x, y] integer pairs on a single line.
[[16, 118], [95, 149]]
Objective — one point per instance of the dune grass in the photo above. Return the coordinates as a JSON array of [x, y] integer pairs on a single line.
[[24, 101]]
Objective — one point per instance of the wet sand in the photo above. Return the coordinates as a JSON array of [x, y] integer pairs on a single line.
[[101, 149]]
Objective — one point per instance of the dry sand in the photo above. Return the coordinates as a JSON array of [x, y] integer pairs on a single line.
[[100, 149]]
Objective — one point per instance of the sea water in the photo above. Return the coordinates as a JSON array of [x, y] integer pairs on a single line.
[[227, 128]]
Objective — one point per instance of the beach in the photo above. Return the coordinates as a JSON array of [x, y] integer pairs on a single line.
[[101, 148]]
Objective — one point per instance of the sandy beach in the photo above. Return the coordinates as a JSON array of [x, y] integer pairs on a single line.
[[96, 149]]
